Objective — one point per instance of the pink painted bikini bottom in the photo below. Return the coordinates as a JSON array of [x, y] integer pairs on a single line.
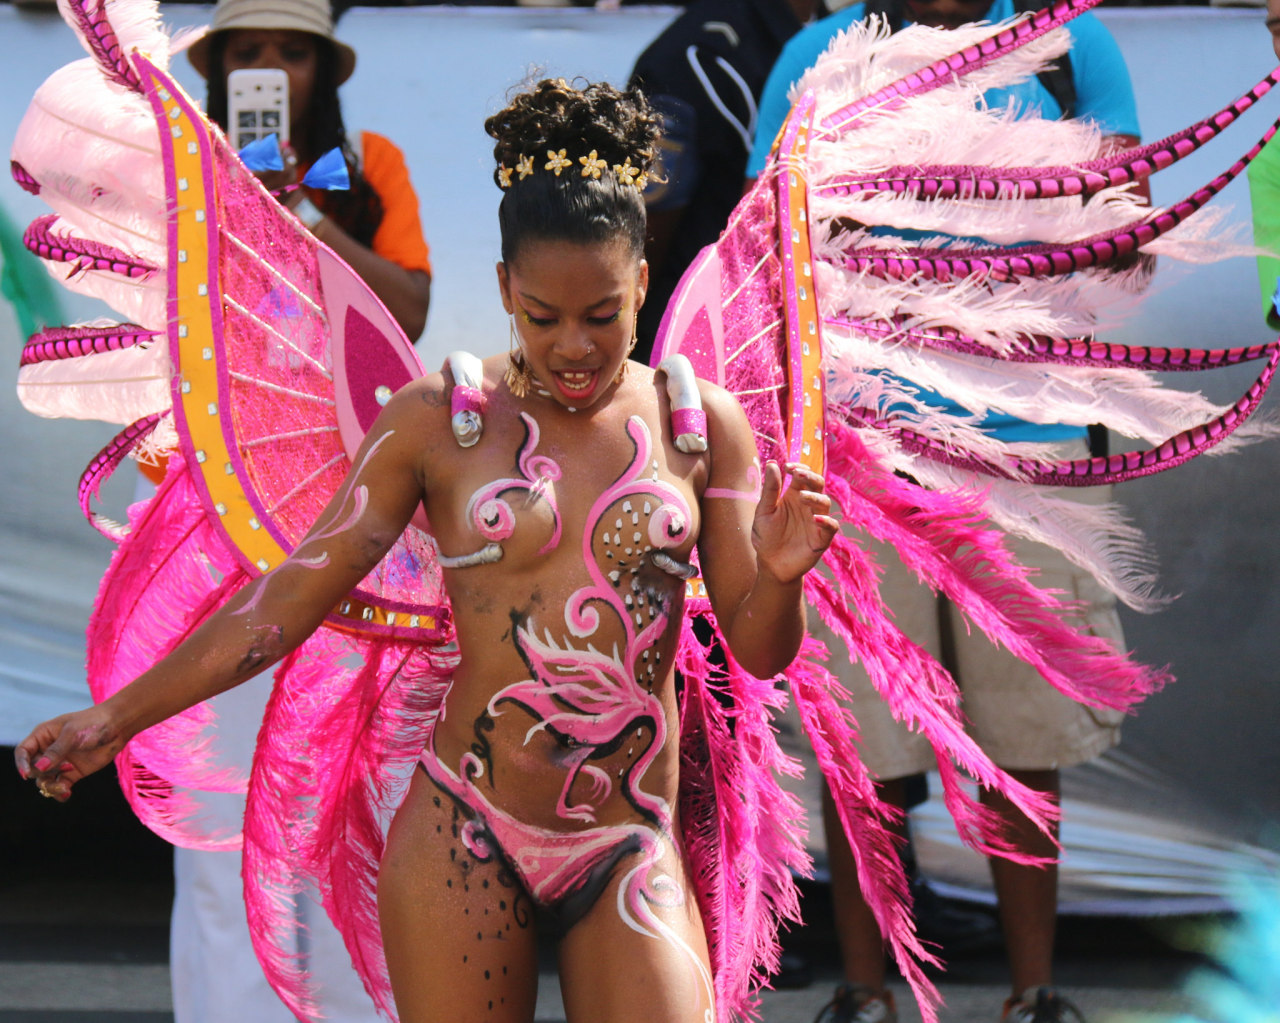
[[563, 872]]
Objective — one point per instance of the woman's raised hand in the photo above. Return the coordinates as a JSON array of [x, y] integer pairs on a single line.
[[792, 529]]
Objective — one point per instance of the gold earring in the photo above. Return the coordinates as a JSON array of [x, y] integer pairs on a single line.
[[517, 373], [635, 340]]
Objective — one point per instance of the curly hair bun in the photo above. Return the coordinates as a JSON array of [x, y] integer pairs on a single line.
[[556, 115]]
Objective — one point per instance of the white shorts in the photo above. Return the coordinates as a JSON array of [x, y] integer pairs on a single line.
[[1019, 720]]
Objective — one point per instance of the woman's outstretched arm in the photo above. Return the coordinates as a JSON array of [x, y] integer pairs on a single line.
[[265, 621], [760, 535]]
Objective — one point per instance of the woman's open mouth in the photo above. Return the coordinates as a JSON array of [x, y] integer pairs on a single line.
[[576, 383]]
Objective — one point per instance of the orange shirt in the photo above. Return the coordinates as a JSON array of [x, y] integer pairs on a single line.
[[399, 237]]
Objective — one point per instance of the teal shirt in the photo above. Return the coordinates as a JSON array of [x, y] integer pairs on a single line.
[[1104, 94]]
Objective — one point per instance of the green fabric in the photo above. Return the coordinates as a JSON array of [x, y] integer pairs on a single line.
[[1264, 196], [25, 283]]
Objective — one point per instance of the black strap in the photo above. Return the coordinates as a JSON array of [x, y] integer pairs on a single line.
[[1058, 81]]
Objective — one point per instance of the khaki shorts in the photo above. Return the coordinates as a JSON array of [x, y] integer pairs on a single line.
[[1019, 720]]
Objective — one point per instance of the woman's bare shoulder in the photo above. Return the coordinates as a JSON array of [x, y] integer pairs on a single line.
[[713, 393], [426, 397], [721, 407], [429, 405]]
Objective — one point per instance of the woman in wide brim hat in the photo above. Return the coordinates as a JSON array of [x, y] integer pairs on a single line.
[[296, 15], [374, 224]]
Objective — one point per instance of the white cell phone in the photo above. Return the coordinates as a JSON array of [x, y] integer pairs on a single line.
[[257, 105]]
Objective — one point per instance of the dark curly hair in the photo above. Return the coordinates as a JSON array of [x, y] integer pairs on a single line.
[[357, 210], [554, 115]]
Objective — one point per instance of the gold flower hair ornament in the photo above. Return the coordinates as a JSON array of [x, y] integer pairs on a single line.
[[628, 175], [593, 167], [556, 162]]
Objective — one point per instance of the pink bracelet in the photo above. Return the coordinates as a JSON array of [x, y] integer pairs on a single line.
[[689, 420], [467, 399]]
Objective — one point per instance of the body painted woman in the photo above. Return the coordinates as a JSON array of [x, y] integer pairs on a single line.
[[548, 792]]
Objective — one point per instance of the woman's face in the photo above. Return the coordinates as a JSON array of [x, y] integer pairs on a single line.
[[291, 51], [574, 307]]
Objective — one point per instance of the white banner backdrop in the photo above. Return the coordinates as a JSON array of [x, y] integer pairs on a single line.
[[1194, 792]]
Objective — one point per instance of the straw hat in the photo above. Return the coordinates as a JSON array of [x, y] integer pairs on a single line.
[[297, 15]]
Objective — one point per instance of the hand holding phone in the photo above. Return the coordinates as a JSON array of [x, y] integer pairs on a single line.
[[257, 105]]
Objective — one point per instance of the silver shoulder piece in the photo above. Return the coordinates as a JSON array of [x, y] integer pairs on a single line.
[[467, 401], [688, 421]]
